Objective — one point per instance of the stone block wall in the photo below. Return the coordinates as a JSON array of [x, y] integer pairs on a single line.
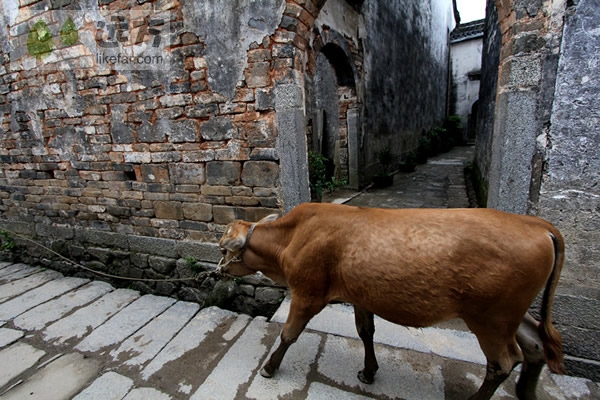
[[537, 145]]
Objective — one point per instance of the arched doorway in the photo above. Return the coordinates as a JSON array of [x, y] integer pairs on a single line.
[[335, 129]]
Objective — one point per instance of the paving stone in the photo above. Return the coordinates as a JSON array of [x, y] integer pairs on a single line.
[[191, 337], [146, 394], [8, 336], [59, 380], [84, 320], [125, 323], [148, 341], [20, 286], [183, 376], [12, 268], [427, 186], [40, 316], [456, 344], [16, 359], [320, 391], [110, 386], [238, 365], [294, 370], [37, 296], [578, 388], [4, 264], [397, 377], [17, 271]]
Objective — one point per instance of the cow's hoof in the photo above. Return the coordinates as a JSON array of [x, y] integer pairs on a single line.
[[365, 378], [265, 374]]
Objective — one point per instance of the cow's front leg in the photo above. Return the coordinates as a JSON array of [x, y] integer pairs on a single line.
[[365, 326], [301, 311]]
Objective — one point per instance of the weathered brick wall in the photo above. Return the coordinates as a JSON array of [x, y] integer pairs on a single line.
[[212, 128], [96, 148], [133, 169]]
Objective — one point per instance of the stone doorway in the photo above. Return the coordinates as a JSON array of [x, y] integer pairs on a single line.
[[335, 123]]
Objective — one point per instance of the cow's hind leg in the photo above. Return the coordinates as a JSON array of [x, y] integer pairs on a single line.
[[502, 354], [301, 311], [365, 326], [533, 352]]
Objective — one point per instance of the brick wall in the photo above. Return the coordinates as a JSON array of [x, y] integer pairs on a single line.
[[130, 169]]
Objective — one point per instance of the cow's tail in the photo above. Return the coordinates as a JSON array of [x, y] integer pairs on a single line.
[[550, 337]]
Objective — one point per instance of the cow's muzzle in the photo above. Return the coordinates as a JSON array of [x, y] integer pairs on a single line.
[[221, 267]]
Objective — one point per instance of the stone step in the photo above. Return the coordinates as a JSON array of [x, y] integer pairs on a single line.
[[9, 336], [21, 285], [145, 344], [294, 372], [132, 347], [16, 359], [192, 337], [415, 363], [61, 379], [452, 343], [196, 357], [75, 326], [40, 316], [28, 300], [239, 363], [110, 386], [16, 271], [125, 323], [4, 264]]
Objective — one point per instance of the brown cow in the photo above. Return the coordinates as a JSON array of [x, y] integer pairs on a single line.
[[414, 267]]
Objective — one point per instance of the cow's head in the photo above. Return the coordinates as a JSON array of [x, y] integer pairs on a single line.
[[234, 242]]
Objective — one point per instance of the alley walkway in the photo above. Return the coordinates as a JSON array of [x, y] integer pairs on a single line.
[[71, 338], [438, 184]]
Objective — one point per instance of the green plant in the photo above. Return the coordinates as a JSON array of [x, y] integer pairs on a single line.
[[6, 241], [385, 157], [424, 148], [317, 175], [438, 141], [453, 125], [409, 162], [192, 263], [189, 260]]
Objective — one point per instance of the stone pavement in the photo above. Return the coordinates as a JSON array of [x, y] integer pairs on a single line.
[[438, 184], [71, 338]]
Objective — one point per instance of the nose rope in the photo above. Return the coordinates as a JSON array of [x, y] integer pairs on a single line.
[[222, 265], [238, 258]]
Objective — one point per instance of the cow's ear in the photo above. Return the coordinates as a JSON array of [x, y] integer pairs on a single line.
[[268, 218]]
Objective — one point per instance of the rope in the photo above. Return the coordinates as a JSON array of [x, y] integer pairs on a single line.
[[107, 275]]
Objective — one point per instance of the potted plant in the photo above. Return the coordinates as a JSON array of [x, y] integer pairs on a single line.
[[409, 162], [384, 178], [424, 148], [318, 178], [453, 125]]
